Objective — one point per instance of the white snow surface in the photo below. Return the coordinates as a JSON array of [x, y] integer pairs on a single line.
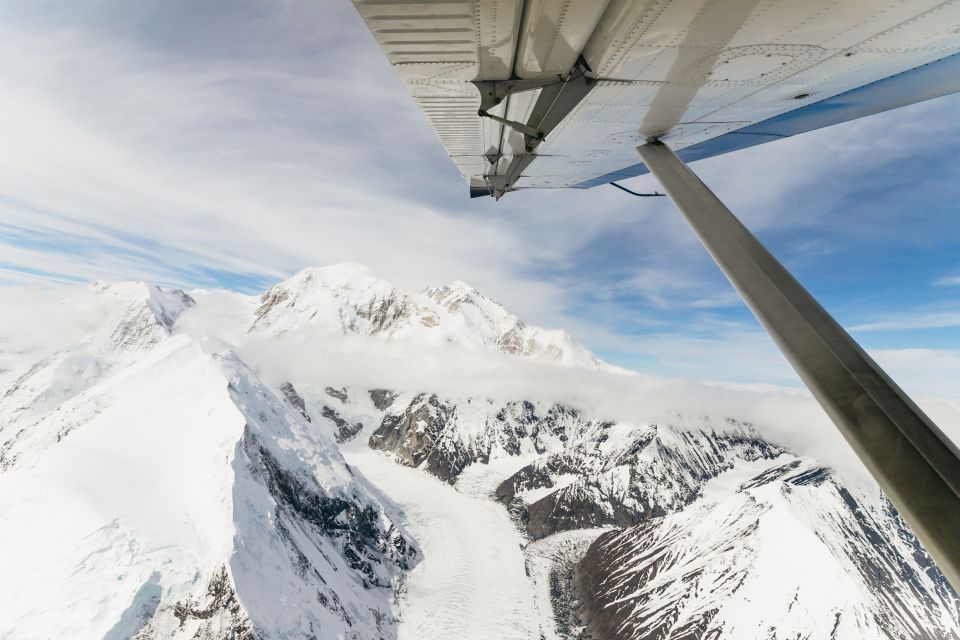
[[130, 492]]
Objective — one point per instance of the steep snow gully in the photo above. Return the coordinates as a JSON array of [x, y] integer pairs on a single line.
[[212, 466], [471, 582]]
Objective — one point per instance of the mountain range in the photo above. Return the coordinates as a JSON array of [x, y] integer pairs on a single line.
[[211, 465]]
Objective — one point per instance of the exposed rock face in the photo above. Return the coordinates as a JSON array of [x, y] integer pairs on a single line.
[[446, 437], [357, 529], [588, 473], [220, 602], [339, 394], [620, 476], [415, 436], [792, 553], [216, 615], [382, 398], [295, 400], [344, 429], [269, 301]]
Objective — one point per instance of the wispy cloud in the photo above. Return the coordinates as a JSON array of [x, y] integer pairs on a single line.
[[898, 322], [948, 281]]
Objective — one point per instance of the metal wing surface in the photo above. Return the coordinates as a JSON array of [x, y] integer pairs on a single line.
[[572, 87]]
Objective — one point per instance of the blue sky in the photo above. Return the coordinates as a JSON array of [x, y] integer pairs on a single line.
[[229, 144]]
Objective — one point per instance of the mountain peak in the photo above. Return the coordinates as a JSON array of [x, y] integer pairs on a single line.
[[348, 299], [345, 298], [144, 312], [334, 274], [460, 287], [456, 289], [458, 294]]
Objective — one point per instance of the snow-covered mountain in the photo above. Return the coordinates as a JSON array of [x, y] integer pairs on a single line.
[[349, 299], [153, 489], [46, 401], [789, 552], [161, 479]]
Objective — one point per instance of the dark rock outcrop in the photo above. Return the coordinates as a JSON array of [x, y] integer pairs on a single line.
[[220, 601], [356, 527], [418, 435], [382, 398], [648, 473], [344, 430], [338, 394], [295, 400], [215, 615]]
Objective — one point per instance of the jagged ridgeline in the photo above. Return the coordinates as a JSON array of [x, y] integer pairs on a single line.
[[189, 492], [719, 533]]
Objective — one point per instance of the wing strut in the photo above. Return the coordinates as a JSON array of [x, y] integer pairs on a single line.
[[915, 464]]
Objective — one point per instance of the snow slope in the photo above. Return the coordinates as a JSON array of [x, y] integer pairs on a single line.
[[46, 400], [788, 552], [174, 495]]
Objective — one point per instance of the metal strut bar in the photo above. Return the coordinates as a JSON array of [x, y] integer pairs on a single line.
[[525, 129], [915, 464], [655, 194]]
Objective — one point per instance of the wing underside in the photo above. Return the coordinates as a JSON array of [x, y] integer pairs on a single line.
[[573, 87]]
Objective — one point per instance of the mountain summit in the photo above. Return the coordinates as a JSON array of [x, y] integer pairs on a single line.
[[349, 299]]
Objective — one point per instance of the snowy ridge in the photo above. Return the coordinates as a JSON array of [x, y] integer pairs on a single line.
[[176, 496], [502, 331], [343, 298], [142, 314]]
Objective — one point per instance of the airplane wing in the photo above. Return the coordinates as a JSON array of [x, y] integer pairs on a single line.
[[569, 89]]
